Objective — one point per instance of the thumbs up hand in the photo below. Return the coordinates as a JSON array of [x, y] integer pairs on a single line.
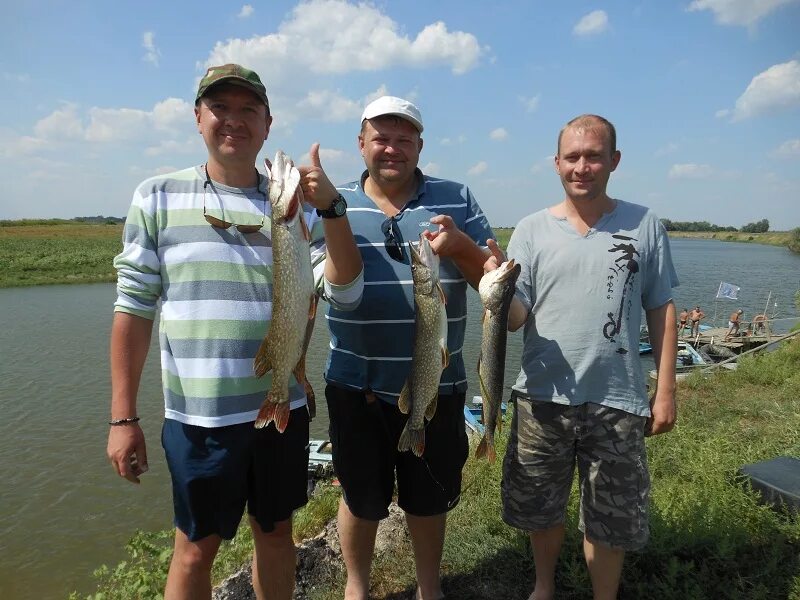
[[317, 188]]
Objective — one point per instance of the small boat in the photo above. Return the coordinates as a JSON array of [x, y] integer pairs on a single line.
[[687, 360], [473, 415], [320, 458]]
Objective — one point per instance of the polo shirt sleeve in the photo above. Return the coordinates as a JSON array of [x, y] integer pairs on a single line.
[[476, 226], [342, 297]]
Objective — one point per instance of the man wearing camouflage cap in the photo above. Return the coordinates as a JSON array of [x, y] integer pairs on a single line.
[[196, 241]]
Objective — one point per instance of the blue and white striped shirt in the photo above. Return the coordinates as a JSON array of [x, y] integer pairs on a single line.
[[371, 347]]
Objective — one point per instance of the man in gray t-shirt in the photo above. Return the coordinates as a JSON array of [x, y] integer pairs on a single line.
[[590, 265]]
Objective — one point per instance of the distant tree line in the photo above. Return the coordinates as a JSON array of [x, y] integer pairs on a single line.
[[761, 226], [794, 246]]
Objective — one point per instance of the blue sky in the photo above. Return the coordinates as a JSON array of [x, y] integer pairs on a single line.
[[705, 95]]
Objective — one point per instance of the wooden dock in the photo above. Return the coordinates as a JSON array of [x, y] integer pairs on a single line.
[[736, 343]]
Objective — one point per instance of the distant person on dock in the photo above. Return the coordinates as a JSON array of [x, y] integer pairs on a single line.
[[695, 317], [760, 324], [734, 321], [212, 279], [589, 241], [682, 320]]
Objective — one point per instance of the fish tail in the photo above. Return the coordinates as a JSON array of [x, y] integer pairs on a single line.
[[273, 411], [486, 448], [266, 414], [412, 439]]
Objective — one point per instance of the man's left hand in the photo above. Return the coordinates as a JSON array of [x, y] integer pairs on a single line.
[[663, 414], [448, 240], [318, 190]]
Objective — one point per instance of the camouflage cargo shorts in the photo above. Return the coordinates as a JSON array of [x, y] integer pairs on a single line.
[[546, 442]]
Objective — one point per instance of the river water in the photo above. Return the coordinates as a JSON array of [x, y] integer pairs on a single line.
[[63, 512]]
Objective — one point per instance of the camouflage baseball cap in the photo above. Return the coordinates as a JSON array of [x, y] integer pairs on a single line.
[[235, 74]]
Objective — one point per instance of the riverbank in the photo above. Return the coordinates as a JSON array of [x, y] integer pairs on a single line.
[[770, 238], [710, 536], [56, 251]]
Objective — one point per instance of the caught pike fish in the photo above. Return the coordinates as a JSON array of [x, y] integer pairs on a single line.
[[294, 302], [430, 356], [496, 289]]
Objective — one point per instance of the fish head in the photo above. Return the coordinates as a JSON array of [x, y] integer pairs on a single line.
[[284, 188], [424, 265], [495, 285]]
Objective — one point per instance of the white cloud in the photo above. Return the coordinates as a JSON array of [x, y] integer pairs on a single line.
[[432, 168], [478, 169], [330, 106], [148, 43], [16, 77], [670, 148], [738, 12], [499, 134], [192, 145], [789, 149], [723, 113], [777, 88], [335, 37], [530, 104], [61, 124], [452, 141], [593, 23], [172, 115], [690, 171], [246, 11]]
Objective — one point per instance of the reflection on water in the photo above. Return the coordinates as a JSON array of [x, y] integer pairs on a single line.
[[62, 510]]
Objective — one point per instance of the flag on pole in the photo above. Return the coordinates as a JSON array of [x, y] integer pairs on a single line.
[[728, 290]]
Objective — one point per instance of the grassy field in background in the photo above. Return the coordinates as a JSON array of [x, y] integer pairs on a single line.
[[771, 238], [53, 251], [40, 252]]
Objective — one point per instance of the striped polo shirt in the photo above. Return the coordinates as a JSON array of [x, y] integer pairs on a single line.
[[215, 291], [371, 346]]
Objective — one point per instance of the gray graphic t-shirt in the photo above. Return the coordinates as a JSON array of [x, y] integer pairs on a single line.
[[586, 295]]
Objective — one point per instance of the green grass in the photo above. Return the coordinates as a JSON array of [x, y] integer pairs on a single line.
[[771, 238], [710, 537], [36, 253]]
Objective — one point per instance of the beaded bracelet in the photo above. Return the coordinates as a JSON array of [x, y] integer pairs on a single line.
[[123, 421]]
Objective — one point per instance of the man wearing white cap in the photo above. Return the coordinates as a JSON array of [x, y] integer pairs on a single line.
[[391, 204]]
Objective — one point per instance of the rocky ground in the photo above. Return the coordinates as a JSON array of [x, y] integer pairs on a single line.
[[319, 560]]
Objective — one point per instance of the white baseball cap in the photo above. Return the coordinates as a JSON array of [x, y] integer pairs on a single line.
[[392, 105]]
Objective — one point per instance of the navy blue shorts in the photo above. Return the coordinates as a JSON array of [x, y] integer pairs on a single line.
[[364, 437], [217, 470]]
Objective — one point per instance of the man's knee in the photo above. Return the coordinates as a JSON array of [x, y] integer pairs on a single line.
[[279, 537], [195, 557]]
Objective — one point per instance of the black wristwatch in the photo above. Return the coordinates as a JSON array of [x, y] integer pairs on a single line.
[[337, 209]]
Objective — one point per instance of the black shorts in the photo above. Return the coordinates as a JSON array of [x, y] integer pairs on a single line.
[[364, 436], [216, 470]]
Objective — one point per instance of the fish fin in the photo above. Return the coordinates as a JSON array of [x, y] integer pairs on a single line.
[[404, 401], [483, 315], [303, 225], [445, 357], [431, 410], [282, 416], [266, 414], [272, 411], [300, 375], [441, 292], [412, 439], [486, 448], [262, 363]]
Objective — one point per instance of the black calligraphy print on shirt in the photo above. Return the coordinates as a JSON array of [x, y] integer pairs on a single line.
[[623, 268]]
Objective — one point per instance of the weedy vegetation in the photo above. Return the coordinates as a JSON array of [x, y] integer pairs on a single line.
[[710, 535]]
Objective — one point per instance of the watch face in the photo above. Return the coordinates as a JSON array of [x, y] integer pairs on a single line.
[[339, 206]]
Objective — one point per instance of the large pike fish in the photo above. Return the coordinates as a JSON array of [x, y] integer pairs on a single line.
[[496, 289], [294, 302], [420, 393]]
